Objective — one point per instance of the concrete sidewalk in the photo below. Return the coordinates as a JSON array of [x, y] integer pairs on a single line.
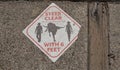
[[17, 52]]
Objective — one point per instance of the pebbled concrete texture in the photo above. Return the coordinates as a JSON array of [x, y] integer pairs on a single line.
[[17, 52], [114, 11]]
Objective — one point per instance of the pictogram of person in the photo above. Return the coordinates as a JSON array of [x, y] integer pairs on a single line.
[[38, 32], [69, 30]]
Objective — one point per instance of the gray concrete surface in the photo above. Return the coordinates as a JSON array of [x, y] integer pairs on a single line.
[[17, 52], [114, 36]]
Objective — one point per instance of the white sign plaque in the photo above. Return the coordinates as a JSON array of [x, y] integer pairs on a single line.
[[53, 31]]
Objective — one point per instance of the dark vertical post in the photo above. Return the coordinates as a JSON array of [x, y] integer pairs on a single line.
[[98, 43]]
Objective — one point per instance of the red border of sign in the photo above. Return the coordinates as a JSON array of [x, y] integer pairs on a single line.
[[42, 15]]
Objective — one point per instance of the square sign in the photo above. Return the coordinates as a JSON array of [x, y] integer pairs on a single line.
[[53, 31]]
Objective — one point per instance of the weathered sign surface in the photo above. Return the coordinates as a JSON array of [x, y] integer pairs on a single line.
[[53, 31]]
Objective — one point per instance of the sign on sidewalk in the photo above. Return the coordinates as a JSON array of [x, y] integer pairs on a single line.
[[53, 31]]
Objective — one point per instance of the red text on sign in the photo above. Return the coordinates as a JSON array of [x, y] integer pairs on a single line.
[[53, 16], [53, 49], [54, 44]]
